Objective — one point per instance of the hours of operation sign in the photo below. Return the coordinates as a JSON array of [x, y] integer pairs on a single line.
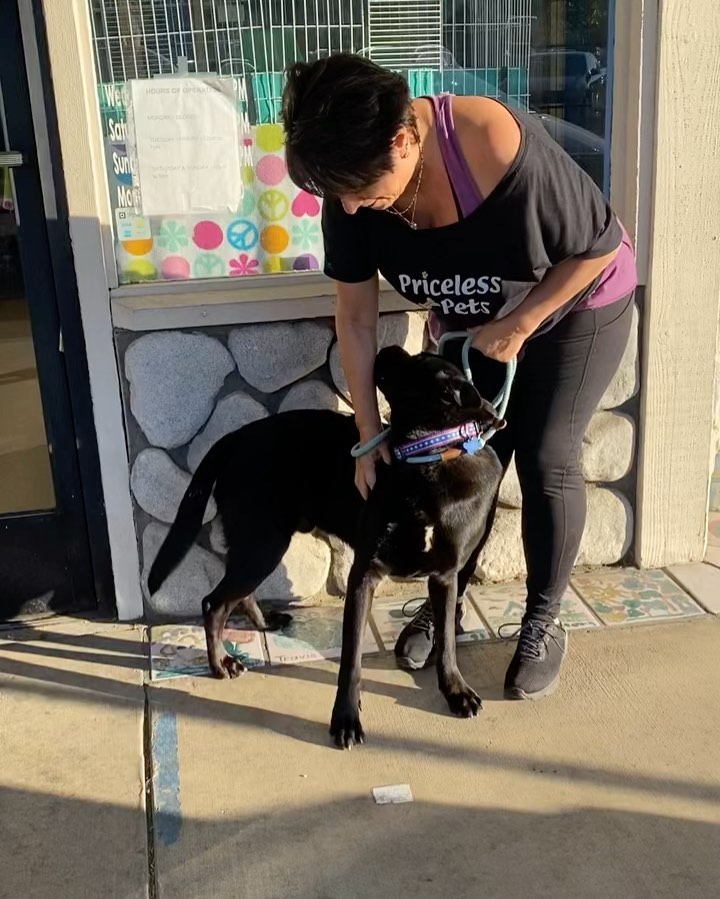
[[186, 136]]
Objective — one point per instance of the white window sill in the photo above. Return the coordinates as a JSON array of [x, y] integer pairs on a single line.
[[265, 298]]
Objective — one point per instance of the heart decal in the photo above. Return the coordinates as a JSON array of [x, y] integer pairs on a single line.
[[305, 204]]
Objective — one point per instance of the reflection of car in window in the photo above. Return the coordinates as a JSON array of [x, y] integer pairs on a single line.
[[561, 75]]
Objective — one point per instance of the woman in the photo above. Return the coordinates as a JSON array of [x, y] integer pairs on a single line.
[[471, 210]]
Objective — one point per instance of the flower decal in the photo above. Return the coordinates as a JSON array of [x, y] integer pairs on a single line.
[[173, 236], [306, 234], [208, 265], [243, 265]]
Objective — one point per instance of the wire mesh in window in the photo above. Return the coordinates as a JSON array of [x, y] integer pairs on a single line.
[[474, 47]]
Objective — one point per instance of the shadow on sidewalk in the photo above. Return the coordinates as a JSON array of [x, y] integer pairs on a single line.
[[356, 850]]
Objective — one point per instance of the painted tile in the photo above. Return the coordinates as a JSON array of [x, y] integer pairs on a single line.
[[702, 582], [313, 634], [390, 619], [504, 604], [714, 529], [179, 650], [627, 595]]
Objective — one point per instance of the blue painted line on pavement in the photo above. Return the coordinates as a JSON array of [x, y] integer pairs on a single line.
[[166, 779]]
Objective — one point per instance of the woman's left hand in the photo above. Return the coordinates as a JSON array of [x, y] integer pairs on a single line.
[[501, 340]]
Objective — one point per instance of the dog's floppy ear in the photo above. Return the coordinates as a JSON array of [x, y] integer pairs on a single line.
[[464, 393], [387, 362]]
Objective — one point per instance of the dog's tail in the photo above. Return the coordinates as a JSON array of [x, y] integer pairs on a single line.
[[188, 520]]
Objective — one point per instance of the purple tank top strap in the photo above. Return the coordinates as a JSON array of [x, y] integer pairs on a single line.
[[461, 179]]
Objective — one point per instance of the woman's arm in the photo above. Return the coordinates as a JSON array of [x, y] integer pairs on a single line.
[[502, 339], [356, 321]]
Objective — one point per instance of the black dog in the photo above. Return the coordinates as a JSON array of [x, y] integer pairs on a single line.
[[293, 472]]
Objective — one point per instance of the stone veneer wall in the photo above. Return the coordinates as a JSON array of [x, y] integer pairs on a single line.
[[183, 390]]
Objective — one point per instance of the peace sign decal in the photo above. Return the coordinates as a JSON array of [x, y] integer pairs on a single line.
[[242, 234], [273, 205]]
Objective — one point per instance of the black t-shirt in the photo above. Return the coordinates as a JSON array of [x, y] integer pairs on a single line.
[[545, 210]]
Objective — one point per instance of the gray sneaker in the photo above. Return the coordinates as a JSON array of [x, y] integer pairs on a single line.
[[416, 644], [534, 671]]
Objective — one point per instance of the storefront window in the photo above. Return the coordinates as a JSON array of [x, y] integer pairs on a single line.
[[546, 56], [570, 78]]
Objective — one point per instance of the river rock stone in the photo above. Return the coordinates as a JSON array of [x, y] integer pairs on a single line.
[[609, 527], [182, 593], [342, 559], [217, 536], [158, 485], [607, 450], [627, 379], [174, 378], [232, 412], [313, 394], [510, 494], [405, 329], [302, 573], [338, 376], [502, 558], [271, 356], [607, 537]]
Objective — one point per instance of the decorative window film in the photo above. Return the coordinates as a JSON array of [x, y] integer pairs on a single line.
[[551, 57], [275, 229]]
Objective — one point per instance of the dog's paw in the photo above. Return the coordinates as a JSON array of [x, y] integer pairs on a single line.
[[463, 701], [345, 727], [276, 621], [228, 667]]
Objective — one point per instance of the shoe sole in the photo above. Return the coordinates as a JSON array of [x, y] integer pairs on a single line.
[[410, 665], [515, 693]]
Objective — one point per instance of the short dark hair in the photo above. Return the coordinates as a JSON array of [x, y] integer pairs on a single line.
[[341, 115]]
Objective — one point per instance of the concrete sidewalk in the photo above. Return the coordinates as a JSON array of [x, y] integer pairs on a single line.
[[611, 788]]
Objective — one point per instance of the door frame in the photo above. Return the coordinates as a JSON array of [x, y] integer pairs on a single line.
[[69, 49], [56, 326], [47, 138]]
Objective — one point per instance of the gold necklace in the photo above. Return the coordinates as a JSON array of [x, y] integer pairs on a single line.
[[413, 203]]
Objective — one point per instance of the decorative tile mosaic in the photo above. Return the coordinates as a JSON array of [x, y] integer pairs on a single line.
[[179, 650], [313, 634], [714, 529], [627, 595], [501, 604], [390, 619]]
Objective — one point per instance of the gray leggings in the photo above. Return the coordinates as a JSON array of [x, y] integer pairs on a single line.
[[560, 380]]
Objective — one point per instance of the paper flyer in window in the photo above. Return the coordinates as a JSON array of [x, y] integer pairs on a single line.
[[185, 138]]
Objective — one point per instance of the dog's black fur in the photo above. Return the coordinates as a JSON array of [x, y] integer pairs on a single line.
[[293, 472]]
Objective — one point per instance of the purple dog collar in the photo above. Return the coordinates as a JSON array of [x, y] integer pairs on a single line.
[[469, 434]]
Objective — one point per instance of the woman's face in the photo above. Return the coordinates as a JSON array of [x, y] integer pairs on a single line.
[[386, 190]]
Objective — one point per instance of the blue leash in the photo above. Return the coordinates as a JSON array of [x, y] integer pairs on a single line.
[[500, 404]]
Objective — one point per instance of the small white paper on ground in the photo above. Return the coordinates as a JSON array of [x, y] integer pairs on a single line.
[[393, 794]]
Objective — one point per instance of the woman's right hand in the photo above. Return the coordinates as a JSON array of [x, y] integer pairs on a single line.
[[365, 475]]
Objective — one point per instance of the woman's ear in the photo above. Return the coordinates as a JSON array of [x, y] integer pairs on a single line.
[[401, 142]]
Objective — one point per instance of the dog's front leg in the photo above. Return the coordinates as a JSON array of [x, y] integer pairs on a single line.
[[461, 698], [345, 727]]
